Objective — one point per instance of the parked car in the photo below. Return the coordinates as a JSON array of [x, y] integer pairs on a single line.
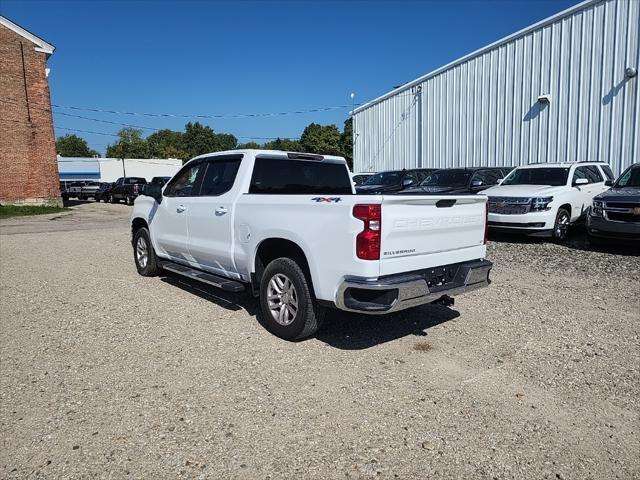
[[288, 227], [545, 199], [459, 180], [393, 181], [127, 189], [159, 181], [103, 194], [82, 190], [360, 178], [88, 190], [615, 214]]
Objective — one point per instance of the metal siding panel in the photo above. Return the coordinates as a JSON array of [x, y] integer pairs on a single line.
[[483, 110]]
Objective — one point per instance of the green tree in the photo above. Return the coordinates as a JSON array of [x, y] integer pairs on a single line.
[[198, 139], [73, 146], [226, 141], [130, 144], [284, 144], [323, 139], [166, 144], [346, 142], [249, 146]]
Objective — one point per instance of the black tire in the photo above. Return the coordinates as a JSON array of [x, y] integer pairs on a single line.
[[308, 315], [148, 268], [129, 201], [561, 225], [112, 199]]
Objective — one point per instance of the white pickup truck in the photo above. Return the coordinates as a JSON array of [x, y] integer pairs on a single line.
[[289, 227]]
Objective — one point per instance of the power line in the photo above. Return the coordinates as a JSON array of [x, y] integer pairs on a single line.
[[138, 126], [85, 131], [196, 115]]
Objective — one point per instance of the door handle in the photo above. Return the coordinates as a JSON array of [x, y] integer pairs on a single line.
[[180, 208], [221, 210]]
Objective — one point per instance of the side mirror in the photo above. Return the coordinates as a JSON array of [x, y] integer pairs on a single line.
[[476, 183], [152, 190], [407, 182], [580, 181], [608, 183]]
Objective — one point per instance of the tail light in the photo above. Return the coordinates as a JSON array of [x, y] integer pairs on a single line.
[[486, 221], [368, 241]]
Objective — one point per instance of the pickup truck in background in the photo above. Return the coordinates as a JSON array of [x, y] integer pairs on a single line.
[[127, 189], [80, 190], [288, 227]]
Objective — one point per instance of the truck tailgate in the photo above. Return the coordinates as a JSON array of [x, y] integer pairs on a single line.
[[421, 232]]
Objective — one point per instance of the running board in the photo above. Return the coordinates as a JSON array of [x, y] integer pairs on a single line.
[[204, 277]]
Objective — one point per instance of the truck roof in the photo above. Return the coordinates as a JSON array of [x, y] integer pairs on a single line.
[[559, 164], [277, 154]]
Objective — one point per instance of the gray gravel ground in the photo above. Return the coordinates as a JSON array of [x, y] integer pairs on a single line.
[[106, 374]]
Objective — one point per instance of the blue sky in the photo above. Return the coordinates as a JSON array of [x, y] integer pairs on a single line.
[[251, 57]]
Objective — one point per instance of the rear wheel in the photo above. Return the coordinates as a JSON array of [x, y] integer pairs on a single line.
[[112, 199], [288, 307], [143, 254], [129, 201], [561, 227]]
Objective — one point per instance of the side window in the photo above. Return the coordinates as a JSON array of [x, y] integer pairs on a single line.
[[413, 175], [482, 176], [185, 183], [493, 176], [579, 172], [593, 175], [219, 177], [607, 171]]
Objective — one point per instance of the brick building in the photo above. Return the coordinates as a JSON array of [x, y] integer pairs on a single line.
[[28, 164]]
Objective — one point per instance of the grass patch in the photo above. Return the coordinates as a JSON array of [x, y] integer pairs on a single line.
[[422, 346], [7, 211]]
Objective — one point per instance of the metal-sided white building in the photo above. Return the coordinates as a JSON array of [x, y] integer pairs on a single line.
[[110, 169], [564, 89]]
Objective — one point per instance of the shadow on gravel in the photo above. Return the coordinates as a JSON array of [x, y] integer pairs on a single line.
[[230, 301], [577, 240], [350, 331], [346, 331], [73, 203]]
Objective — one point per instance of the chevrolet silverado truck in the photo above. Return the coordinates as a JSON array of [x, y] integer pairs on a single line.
[[289, 228], [126, 189]]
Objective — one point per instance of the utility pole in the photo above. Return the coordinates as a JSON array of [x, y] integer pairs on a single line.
[[122, 154]]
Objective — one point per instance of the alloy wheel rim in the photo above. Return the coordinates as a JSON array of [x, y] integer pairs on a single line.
[[142, 252], [563, 226], [282, 299]]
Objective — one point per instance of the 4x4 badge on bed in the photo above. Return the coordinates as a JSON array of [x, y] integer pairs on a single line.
[[327, 199]]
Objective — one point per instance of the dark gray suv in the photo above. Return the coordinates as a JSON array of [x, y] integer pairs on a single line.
[[615, 214]]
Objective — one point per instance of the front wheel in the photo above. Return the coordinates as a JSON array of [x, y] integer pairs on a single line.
[[288, 307], [143, 254], [561, 227]]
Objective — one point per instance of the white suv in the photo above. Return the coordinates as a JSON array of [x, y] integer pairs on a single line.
[[545, 199]]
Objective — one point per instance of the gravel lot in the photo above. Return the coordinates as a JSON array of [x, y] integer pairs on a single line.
[[106, 374]]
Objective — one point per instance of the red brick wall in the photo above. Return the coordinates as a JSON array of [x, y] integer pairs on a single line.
[[28, 164]]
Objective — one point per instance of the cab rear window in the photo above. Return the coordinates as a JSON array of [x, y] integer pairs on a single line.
[[291, 177]]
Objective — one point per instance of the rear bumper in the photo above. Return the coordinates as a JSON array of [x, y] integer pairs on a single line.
[[397, 292]]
